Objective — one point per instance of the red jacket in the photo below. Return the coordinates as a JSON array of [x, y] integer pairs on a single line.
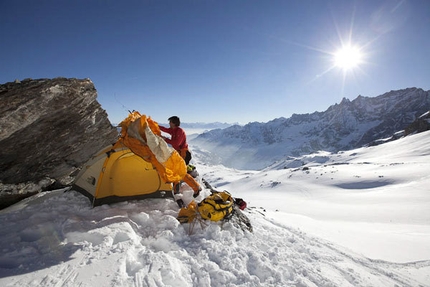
[[178, 138]]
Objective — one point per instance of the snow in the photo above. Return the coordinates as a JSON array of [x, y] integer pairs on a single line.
[[354, 218]]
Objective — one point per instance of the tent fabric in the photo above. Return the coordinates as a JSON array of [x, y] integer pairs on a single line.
[[117, 174], [143, 136], [139, 165]]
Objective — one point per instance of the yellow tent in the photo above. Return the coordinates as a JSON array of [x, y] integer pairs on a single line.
[[139, 165]]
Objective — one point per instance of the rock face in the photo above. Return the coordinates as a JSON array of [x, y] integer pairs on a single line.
[[420, 125], [49, 128]]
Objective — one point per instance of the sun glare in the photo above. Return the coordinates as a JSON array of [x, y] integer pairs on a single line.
[[347, 58]]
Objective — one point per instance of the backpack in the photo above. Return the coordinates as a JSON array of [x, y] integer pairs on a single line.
[[217, 206], [188, 214]]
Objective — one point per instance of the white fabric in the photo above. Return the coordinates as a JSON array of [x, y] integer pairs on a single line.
[[157, 145]]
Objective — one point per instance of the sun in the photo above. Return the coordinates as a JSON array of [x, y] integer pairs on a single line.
[[348, 57]]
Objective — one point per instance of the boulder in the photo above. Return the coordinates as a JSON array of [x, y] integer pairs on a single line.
[[49, 128]]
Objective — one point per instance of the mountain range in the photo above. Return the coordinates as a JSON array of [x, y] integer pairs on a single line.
[[344, 126]]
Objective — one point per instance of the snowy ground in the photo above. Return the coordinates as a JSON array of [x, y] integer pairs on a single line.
[[357, 218]]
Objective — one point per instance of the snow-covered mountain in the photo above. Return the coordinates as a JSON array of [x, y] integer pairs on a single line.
[[353, 218], [194, 129], [343, 126]]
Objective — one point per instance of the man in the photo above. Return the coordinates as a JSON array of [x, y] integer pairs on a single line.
[[178, 141]]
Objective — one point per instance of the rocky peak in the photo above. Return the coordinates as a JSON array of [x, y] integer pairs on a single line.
[[49, 128], [343, 126]]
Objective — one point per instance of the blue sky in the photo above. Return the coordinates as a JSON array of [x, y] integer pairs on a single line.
[[226, 61]]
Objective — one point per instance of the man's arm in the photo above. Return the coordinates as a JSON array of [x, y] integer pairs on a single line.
[[166, 130]]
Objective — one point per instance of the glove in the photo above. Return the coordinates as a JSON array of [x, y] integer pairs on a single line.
[[240, 202]]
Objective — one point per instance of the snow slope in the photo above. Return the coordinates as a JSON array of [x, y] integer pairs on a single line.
[[356, 218]]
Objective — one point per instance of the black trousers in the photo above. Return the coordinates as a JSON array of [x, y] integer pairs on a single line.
[[187, 157]]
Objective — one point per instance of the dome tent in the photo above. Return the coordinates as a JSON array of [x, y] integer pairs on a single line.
[[115, 175], [139, 165]]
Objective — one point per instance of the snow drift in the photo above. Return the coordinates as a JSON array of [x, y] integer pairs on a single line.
[[356, 218]]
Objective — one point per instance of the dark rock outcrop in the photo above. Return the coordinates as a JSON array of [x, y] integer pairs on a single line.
[[49, 128], [420, 125]]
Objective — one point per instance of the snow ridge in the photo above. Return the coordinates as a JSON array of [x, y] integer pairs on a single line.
[[343, 126], [142, 244]]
